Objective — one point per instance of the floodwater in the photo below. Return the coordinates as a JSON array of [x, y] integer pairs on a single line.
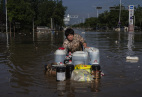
[[22, 63]]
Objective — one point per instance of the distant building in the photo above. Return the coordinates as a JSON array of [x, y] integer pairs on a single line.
[[42, 29]]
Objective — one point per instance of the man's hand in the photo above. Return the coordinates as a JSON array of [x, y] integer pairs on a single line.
[[85, 45]]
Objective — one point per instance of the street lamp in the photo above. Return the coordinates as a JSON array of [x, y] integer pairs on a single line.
[[6, 22], [113, 8], [119, 14], [6, 13], [98, 9]]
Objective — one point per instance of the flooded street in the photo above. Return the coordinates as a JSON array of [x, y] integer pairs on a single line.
[[22, 62]]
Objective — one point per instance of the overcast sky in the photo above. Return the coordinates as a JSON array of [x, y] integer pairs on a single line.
[[87, 8]]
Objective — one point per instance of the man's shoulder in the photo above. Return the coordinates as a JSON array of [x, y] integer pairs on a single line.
[[77, 35], [66, 41]]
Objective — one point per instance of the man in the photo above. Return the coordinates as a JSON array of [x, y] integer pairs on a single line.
[[73, 42]]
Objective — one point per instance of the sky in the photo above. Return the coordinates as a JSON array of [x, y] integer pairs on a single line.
[[87, 8]]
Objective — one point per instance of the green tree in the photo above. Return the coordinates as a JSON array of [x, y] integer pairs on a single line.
[[45, 10], [2, 13], [113, 18], [58, 14], [138, 16], [91, 22], [124, 17], [50, 9], [41, 11], [20, 11], [103, 18]]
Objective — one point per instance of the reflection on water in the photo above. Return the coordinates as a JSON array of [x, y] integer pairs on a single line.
[[22, 66], [130, 44], [96, 85], [61, 88]]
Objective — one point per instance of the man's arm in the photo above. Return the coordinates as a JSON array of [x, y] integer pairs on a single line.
[[82, 40], [65, 44], [84, 45]]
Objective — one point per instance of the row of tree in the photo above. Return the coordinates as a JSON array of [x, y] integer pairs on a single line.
[[110, 18], [23, 13]]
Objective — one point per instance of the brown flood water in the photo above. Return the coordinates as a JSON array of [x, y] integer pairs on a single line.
[[22, 66]]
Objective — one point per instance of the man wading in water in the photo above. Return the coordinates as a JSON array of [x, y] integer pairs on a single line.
[[73, 42]]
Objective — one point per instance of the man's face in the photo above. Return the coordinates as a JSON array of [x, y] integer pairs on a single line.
[[70, 37]]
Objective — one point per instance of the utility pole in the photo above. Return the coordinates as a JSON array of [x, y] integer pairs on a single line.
[[119, 15], [97, 8], [6, 13], [33, 29], [51, 24], [88, 15], [6, 22]]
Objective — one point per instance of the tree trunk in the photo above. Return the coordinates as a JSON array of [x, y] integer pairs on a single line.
[[14, 30], [140, 25], [10, 28]]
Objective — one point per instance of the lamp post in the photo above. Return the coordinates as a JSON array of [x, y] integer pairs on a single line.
[[6, 22], [6, 13], [33, 30], [119, 15], [97, 10], [113, 8]]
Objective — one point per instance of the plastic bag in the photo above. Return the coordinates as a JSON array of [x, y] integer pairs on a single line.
[[81, 75], [82, 66]]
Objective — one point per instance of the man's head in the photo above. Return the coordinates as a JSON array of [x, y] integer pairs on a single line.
[[69, 33]]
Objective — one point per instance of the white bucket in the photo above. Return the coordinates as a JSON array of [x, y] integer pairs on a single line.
[[80, 57], [94, 56], [59, 56]]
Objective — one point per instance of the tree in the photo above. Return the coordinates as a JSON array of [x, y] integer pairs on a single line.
[[41, 11], [48, 10], [138, 16], [20, 11], [58, 14], [103, 18], [91, 22], [2, 14]]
